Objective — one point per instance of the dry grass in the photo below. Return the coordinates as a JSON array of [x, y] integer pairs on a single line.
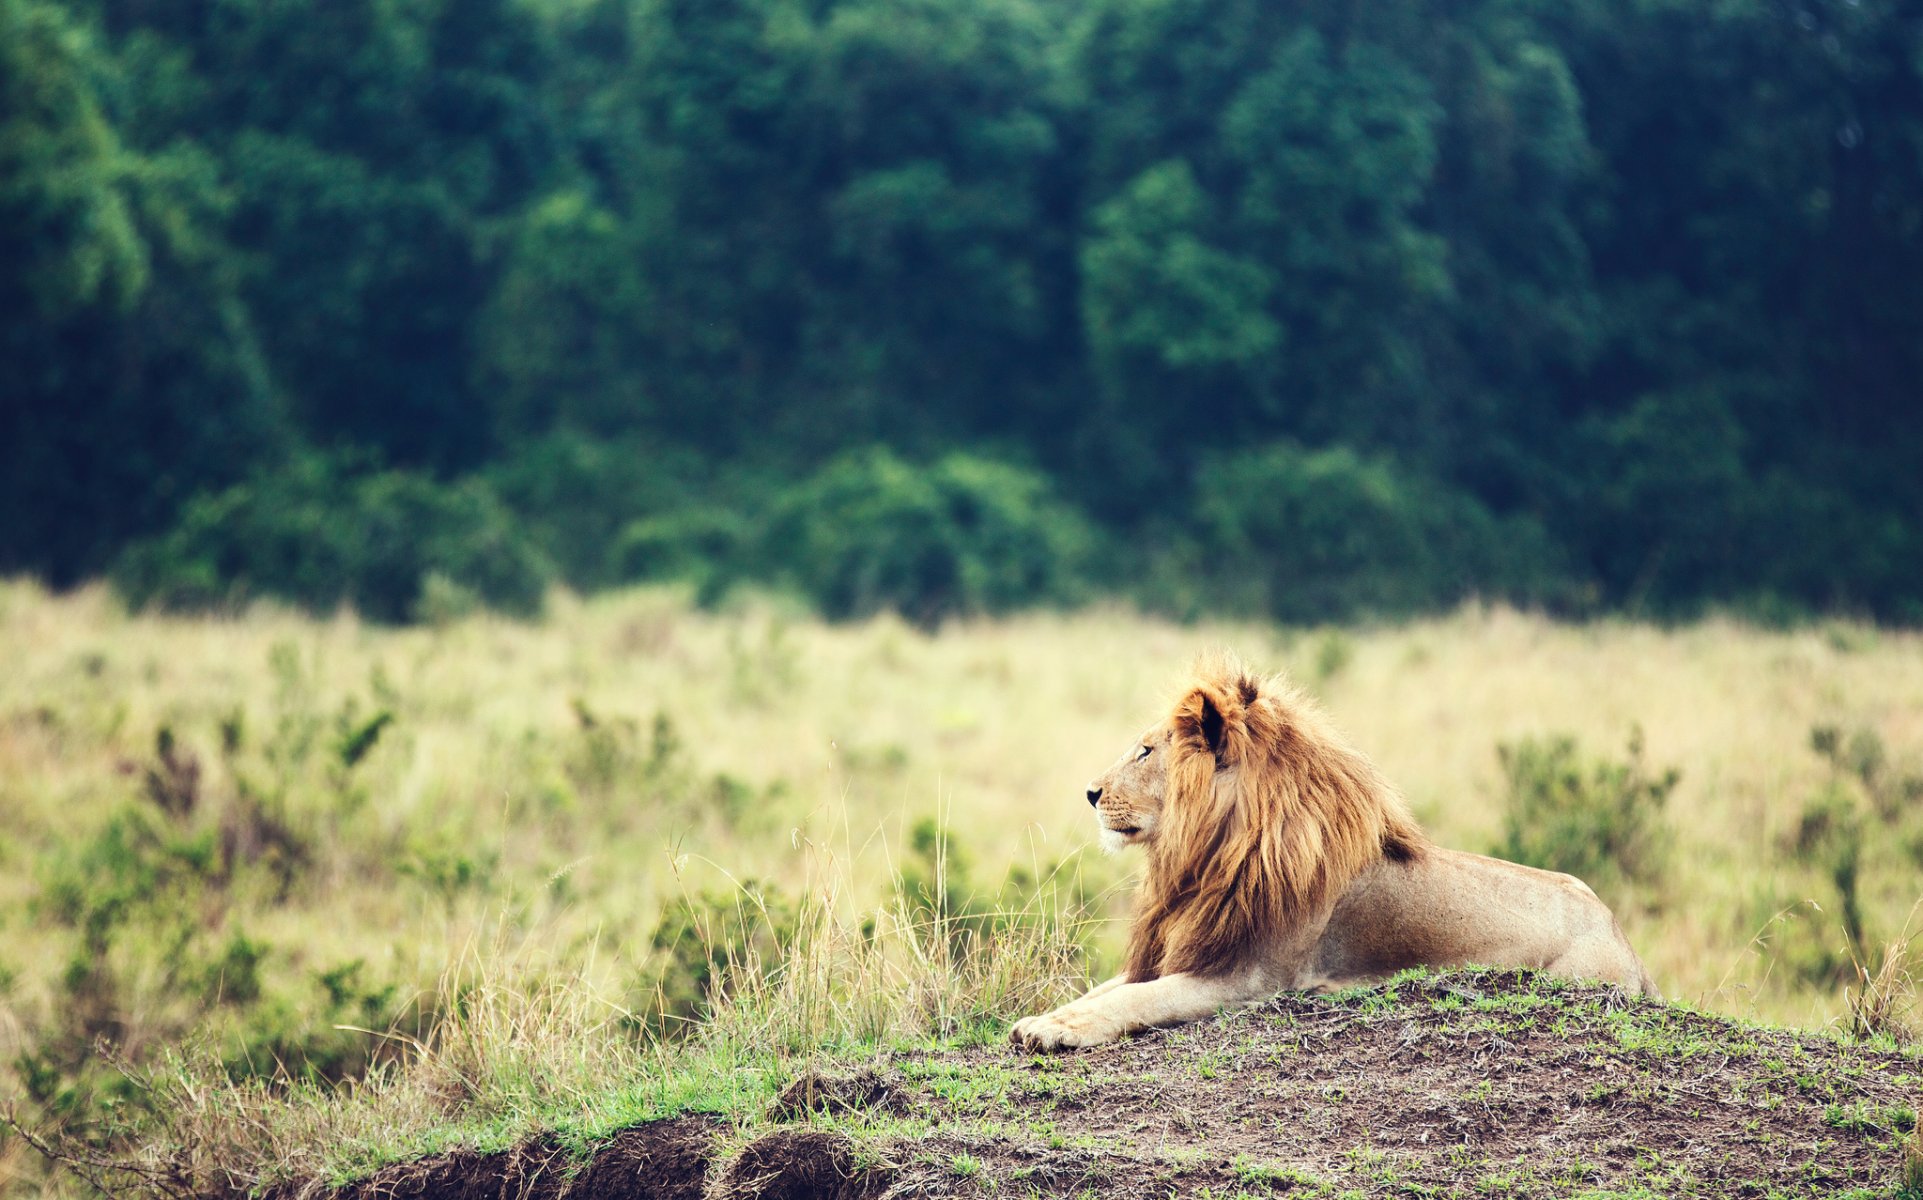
[[1882, 1002], [503, 855], [526, 1043]]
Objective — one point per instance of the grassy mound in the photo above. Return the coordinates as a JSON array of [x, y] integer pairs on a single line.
[[1465, 1083]]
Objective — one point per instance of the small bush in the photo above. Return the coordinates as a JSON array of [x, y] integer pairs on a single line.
[[702, 546], [1829, 836], [1598, 820], [610, 757], [1894, 793], [583, 498], [320, 536], [150, 915], [1834, 834], [703, 944], [1322, 535], [872, 533]]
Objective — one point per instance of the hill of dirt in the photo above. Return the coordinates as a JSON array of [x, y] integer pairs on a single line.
[[1484, 1084]]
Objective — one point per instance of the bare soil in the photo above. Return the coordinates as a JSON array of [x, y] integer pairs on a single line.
[[1487, 1084]]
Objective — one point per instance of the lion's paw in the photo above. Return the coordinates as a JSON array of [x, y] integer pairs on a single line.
[[1062, 1029]]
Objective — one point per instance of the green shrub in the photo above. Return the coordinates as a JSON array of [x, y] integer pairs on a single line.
[[702, 546], [1895, 791], [610, 758], [1323, 535], [1834, 833], [702, 943], [149, 915], [1598, 820], [1909, 1179], [1829, 836], [581, 497], [320, 536], [962, 535]]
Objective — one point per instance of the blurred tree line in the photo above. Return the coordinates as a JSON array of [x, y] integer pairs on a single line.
[[1300, 307]]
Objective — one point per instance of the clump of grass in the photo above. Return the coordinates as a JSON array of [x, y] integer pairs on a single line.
[[1909, 1179], [1881, 1001]]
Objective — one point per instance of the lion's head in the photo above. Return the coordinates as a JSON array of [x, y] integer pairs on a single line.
[[1255, 814], [1128, 798]]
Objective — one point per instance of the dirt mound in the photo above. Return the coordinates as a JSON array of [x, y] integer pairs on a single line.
[[1488, 1083], [662, 1160], [803, 1164], [822, 1091]]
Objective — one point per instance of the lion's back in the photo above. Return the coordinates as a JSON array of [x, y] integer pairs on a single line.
[[1452, 908]]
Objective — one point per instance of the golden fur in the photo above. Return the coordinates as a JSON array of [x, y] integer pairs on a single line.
[[1279, 858], [1269, 816]]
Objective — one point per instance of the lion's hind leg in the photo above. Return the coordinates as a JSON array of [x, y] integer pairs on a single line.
[[1609, 960]]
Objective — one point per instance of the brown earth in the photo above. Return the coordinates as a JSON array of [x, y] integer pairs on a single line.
[[1484, 1084]]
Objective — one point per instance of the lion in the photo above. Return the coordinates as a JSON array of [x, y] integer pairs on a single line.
[[1280, 860]]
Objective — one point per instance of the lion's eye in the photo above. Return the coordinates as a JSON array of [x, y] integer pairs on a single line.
[[1144, 754]]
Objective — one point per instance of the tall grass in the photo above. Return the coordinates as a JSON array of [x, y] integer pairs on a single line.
[[331, 894], [1882, 1001], [523, 1043]]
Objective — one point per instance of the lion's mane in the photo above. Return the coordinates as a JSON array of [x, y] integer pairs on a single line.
[[1269, 816]]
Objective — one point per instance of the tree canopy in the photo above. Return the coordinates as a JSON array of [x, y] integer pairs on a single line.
[[1301, 308]]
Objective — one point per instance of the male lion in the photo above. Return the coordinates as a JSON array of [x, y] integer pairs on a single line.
[[1279, 859]]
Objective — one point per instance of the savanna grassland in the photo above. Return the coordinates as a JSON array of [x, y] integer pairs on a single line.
[[496, 872]]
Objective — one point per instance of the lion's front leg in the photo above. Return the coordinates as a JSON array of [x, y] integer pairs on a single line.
[[1115, 1010], [1020, 1028]]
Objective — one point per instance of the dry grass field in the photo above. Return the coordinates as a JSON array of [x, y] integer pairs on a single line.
[[466, 864]]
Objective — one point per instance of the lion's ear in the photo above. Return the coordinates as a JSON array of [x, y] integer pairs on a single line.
[[1210, 717], [1213, 722]]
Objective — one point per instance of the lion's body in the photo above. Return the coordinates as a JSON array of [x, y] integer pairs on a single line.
[[1279, 859], [1448, 909]]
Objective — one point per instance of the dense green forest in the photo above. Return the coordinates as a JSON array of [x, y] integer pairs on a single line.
[[1299, 307]]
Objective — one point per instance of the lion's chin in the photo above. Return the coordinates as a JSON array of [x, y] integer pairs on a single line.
[[1113, 840]]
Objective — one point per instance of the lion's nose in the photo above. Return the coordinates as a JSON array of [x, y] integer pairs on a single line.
[[1094, 795]]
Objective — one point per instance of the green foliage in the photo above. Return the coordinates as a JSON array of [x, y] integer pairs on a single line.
[[963, 535], [703, 945], [1894, 789], [703, 546], [146, 902], [1312, 536], [606, 509], [70, 232], [1620, 301], [1596, 819], [1159, 293], [611, 757], [556, 346], [130, 375], [321, 537], [1829, 836], [357, 738], [1866, 802]]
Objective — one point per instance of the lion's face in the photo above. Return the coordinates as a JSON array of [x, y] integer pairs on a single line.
[[1128, 797]]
